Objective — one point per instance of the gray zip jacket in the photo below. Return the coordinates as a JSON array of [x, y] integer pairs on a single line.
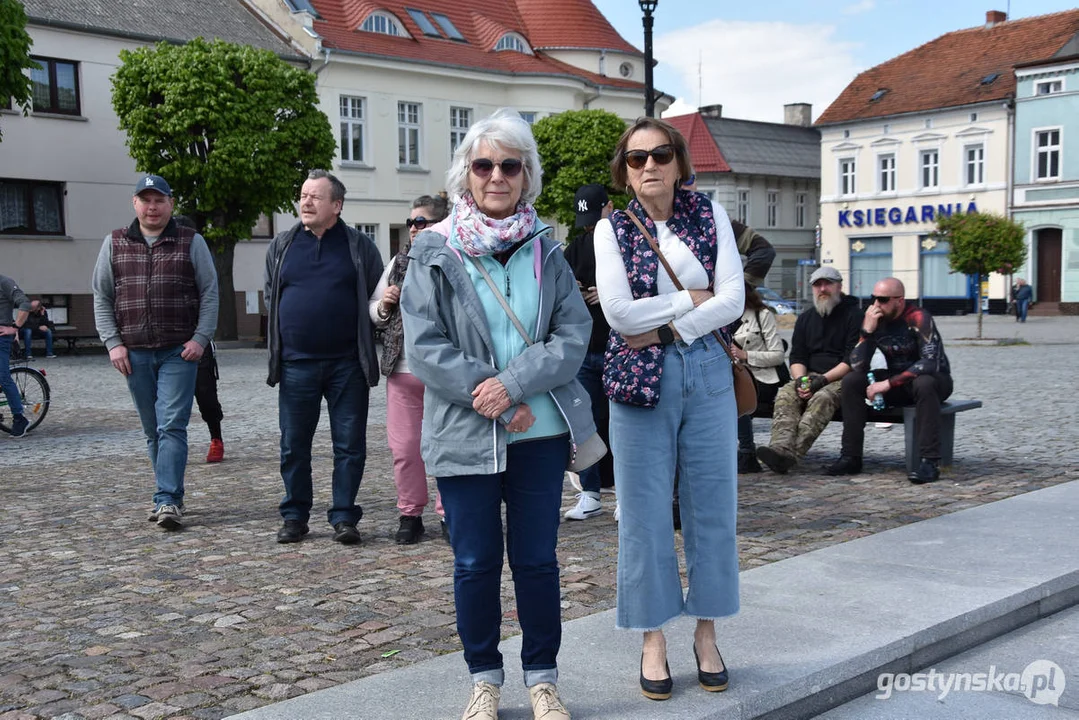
[[451, 351]]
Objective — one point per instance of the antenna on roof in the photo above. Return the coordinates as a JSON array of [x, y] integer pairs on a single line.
[[700, 60]]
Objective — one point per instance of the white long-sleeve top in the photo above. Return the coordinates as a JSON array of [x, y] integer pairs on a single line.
[[633, 317]]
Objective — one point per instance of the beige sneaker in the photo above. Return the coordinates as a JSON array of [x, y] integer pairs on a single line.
[[484, 703], [546, 705]]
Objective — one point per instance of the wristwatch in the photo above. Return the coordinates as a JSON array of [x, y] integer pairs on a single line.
[[666, 335]]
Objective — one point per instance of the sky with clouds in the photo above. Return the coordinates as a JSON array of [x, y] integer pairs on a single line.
[[754, 57]]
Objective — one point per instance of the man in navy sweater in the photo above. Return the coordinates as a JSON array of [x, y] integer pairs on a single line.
[[321, 263]]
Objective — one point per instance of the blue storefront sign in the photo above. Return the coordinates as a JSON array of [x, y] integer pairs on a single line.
[[899, 216]]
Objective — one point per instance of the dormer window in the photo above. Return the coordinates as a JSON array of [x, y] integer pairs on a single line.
[[514, 42], [383, 23]]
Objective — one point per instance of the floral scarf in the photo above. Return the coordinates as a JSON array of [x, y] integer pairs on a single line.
[[480, 235]]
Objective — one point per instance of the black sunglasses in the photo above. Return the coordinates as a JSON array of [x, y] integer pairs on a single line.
[[636, 159], [482, 167], [883, 299], [419, 223]]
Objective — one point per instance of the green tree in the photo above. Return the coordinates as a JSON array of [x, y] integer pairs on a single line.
[[15, 56], [981, 243], [575, 147], [234, 130]]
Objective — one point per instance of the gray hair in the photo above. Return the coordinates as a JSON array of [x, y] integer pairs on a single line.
[[337, 188], [507, 130], [436, 203]]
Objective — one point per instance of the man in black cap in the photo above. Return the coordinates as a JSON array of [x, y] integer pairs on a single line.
[[592, 205], [155, 305]]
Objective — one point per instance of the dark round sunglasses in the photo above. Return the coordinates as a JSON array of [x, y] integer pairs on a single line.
[[637, 159], [419, 223], [483, 167]]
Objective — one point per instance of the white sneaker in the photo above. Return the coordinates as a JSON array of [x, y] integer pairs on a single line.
[[483, 705], [574, 480], [617, 512], [588, 505]]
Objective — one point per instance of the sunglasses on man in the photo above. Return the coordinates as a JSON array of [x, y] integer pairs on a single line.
[[419, 223], [883, 299], [483, 167], [637, 159]]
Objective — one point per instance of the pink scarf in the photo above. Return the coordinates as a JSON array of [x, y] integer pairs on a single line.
[[480, 235]]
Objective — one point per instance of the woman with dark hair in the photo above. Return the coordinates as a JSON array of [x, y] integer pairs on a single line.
[[404, 393], [672, 398], [757, 345]]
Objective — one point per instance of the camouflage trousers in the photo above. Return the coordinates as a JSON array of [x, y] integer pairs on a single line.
[[797, 423]]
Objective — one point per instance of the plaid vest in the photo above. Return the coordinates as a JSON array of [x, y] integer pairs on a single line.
[[157, 298]]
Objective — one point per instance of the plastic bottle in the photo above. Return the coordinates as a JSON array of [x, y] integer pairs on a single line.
[[878, 399], [804, 382]]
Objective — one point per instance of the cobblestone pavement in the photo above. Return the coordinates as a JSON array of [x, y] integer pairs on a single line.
[[104, 616]]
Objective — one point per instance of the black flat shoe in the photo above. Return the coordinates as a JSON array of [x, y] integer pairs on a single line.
[[712, 681], [656, 689]]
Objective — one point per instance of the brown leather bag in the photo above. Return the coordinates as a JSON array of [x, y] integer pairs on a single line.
[[745, 391]]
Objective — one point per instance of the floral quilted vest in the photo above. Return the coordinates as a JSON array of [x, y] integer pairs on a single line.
[[631, 377]]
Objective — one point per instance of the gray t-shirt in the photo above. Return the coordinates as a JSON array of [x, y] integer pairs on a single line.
[[12, 298]]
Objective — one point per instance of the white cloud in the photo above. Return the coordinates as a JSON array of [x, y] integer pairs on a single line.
[[679, 107], [860, 7], [754, 68]]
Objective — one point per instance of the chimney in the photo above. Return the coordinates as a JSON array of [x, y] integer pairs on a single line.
[[800, 114], [711, 111], [994, 18]]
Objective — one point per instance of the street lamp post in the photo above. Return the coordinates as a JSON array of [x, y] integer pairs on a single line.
[[648, 7]]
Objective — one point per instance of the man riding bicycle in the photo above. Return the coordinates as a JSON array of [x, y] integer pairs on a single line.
[[12, 299]]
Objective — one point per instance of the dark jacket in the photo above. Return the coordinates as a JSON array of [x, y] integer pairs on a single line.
[[581, 256], [911, 344], [368, 262], [39, 318], [821, 343]]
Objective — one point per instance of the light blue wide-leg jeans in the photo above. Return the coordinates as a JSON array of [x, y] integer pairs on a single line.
[[693, 428]]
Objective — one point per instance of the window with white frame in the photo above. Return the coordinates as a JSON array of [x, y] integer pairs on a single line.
[[352, 126], [408, 134], [1048, 87], [886, 173], [528, 117], [370, 231], [383, 23], [930, 169], [514, 42], [743, 206], [974, 164], [800, 210], [846, 176], [773, 208], [1047, 154], [460, 121]]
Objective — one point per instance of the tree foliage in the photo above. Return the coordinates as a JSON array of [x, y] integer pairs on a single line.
[[15, 55], [233, 129], [575, 147]]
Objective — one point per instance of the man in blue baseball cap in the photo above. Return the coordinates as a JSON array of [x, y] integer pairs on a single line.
[[155, 305]]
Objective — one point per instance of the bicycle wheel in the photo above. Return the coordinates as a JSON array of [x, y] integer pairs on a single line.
[[34, 391]]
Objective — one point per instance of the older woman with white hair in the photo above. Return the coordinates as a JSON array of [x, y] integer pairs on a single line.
[[496, 330]]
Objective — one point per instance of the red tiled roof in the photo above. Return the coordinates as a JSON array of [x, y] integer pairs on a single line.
[[703, 151], [570, 24], [481, 23], [948, 71]]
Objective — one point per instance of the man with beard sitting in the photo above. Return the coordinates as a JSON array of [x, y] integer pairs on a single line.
[[820, 350]]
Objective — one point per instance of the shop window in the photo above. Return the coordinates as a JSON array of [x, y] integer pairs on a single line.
[[870, 261]]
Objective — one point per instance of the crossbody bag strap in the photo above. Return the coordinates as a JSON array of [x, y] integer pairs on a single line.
[[674, 278], [501, 299]]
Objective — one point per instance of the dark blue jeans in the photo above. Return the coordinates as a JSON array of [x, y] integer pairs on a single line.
[[14, 399], [531, 487], [304, 383], [591, 377]]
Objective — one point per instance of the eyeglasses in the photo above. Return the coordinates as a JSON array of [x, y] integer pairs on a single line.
[[419, 223], [636, 159], [482, 167], [883, 299]]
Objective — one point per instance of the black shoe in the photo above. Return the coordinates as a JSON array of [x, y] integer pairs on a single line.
[[19, 423], [346, 533], [656, 689], [927, 472], [410, 529], [712, 681], [845, 465], [445, 530], [292, 531], [747, 462], [779, 461]]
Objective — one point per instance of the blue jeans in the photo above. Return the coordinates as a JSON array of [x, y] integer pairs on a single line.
[[14, 400], [693, 430], [591, 377], [303, 385], [28, 335], [531, 487], [162, 386], [1021, 307]]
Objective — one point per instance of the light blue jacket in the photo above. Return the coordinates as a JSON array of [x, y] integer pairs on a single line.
[[452, 350]]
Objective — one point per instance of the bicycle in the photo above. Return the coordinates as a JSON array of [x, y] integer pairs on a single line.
[[35, 393]]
